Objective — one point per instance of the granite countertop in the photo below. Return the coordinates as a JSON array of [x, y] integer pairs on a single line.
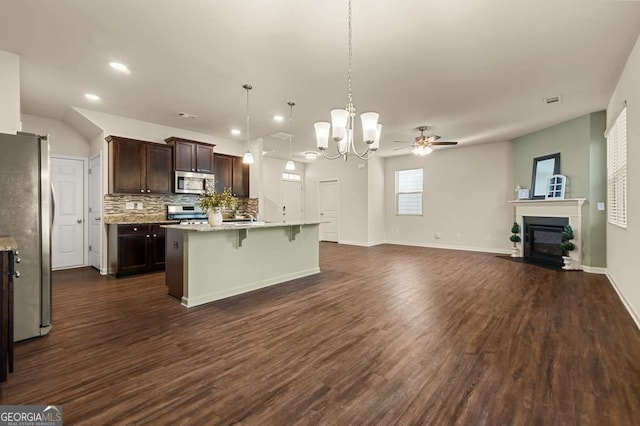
[[136, 219], [238, 225], [7, 244]]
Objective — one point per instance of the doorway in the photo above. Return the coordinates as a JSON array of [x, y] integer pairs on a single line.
[[329, 212], [69, 225], [95, 211], [291, 201]]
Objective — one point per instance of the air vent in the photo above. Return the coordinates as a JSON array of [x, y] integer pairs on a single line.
[[552, 100], [187, 115], [281, 135]]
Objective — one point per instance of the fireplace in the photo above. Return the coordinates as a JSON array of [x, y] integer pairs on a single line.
[[545, 213], [542, 239]]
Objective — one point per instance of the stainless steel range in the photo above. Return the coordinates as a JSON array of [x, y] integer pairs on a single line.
[[187, 215]]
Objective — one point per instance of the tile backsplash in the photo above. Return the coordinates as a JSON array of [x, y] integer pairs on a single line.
[[154, 207]]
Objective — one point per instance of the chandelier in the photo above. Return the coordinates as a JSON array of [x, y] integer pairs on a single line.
[[342, 124]]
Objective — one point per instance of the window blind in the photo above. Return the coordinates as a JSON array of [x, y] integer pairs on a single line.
[[617, 171], [409, 192]]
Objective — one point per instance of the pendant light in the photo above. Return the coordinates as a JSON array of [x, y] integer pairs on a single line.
[[248, 157], [290, 164]]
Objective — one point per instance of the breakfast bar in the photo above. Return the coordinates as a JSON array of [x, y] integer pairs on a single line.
[[206, 263]]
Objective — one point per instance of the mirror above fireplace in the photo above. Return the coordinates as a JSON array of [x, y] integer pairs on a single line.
[[543, 168]]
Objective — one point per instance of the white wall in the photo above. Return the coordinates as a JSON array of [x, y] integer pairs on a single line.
[[63, 139], [152, 132], [376, 210], [353, 189], [466, 190], [623, 245], [9, 93]]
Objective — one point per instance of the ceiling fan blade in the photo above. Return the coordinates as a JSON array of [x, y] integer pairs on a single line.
[[443, 143], [403, 147]]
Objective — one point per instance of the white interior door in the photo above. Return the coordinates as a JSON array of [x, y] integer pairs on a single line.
[[328, 204], [67, 238], [95, 211], [291, 201]]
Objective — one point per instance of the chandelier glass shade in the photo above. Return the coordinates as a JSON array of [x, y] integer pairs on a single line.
[[342, 125]]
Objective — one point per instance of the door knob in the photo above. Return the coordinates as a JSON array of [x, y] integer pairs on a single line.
[[321, 214], [97, 218], [79, 220]]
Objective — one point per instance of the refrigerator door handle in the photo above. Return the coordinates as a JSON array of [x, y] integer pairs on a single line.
[[47, 204], [53, 205]]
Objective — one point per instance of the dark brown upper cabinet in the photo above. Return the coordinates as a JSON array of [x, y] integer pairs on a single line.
[[231, 173], [139, 167], [191, 156]]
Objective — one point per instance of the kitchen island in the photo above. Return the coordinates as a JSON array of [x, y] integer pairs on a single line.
[[206, 263]]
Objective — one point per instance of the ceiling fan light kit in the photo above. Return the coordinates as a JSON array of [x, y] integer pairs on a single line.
[[422, 145], [342, 124]]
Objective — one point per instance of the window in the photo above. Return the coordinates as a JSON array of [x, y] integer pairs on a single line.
[[409, 192], [292, 177], [617, 171]]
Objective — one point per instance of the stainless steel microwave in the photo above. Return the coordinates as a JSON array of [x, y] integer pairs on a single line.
[[193, 183]]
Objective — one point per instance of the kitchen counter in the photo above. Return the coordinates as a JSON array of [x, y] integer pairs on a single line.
[[229, 226], [136, 219], [207, 263], [7, 243]]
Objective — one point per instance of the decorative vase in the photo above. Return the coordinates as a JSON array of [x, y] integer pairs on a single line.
[[568, 262], [215, 217], [514, 251]]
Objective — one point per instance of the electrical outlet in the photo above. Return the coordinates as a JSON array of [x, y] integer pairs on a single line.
[[139, 206], [600, 205], [129, 206]]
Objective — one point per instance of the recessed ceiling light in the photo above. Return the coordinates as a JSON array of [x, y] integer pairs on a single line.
[[311, 155], [92, 97], [119, 67], [278, 118], [235, 132]]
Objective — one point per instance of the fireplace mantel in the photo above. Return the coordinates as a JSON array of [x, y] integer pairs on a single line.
[[570, 208]]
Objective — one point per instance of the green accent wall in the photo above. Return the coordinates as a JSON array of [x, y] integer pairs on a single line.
[[582, 147]]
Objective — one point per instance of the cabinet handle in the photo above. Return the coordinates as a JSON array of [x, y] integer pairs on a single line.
[[135, 229], [148, 190], [154, 235], [192, 170], [142, 190], [148, 236], [197, 170]]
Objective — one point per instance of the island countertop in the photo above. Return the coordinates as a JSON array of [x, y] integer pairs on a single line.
[[238, 225], [7, 243]]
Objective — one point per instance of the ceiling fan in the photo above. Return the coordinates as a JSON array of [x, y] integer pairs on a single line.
[[423, 144]]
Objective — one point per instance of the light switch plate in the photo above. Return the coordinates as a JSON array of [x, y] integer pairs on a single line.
[[600, 205], [128, 205]]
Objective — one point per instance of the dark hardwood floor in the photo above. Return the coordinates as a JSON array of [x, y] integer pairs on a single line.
[[384, 335]]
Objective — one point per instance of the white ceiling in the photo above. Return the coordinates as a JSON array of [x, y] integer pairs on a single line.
[[474, 71]]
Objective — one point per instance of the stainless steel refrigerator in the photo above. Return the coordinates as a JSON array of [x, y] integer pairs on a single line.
[[26, 212]]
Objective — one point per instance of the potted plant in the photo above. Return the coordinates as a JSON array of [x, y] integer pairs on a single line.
[[567, 246], [213, 202], [515, 238]]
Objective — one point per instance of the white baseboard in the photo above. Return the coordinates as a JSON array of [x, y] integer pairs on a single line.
[[360, 244], [634, 314], [450, 247], [594, 270], [103, 271]]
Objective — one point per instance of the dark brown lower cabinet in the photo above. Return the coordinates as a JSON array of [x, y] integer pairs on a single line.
[[136, 249]]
